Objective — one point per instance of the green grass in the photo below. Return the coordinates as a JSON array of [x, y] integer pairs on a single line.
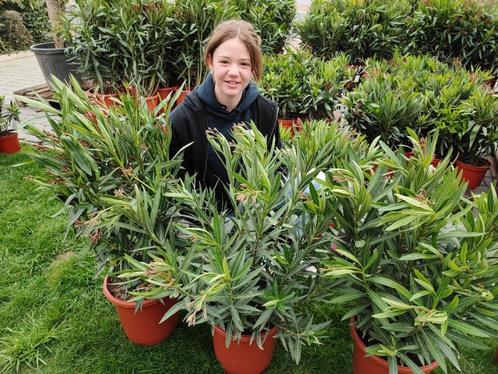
[[55, 319]]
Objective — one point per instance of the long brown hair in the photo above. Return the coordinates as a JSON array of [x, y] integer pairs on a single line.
[[243, 31]]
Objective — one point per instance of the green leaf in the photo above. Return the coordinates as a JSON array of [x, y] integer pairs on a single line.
[[468, 329], [418, 256], [391, 284]]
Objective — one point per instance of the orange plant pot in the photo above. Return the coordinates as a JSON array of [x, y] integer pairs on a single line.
[[435, 161], [182, 97], [242, 357], [143, 327], [472, 174], [292, 124], [363, 364], [108, 100], [163, 93], [9, 143], [152, 102]]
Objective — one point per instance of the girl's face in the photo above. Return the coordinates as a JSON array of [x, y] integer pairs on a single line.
[[230, 65]]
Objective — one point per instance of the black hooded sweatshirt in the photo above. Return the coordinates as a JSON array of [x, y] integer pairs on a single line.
[[200, 111]]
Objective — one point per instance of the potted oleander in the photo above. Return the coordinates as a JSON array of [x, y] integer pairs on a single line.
[[415, 260], [253, 269], [304, 86], [9, 117], [478, 138], [97, 158]]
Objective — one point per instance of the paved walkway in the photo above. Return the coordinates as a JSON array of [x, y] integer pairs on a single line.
[[18, 71]]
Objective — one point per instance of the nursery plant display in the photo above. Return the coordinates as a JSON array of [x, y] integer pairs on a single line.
[[422, 93], [122, 42], [415, 258], [9, 117], [360, 29], [454, 29], [304, 86], [159, 44]]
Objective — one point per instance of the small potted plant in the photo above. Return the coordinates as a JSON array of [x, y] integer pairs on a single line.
[[478, 139], [9, 116], [413, 260], [101, 159]]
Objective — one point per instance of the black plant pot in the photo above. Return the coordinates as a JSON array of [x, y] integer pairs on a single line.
[[53, 61]]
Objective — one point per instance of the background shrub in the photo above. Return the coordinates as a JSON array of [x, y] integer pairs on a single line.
[[303, 85], [15, 34], [37, 22], [456, 29], [271, 18], [33, 16], [360, 29], [423, 93]]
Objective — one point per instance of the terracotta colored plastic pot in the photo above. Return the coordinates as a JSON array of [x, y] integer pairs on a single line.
[[292, 124], [472, 174], [108, 100], [435, 161], [242, 357], [182, 97], [9, 143], [143, 327], [363, 364], [152, 102], [163, 93]]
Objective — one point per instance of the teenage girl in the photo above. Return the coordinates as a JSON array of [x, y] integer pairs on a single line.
[[227, 96]]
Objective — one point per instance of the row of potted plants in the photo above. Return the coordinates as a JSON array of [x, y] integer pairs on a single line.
[[347, 221], [153, 44], [423, 93], [384, 97], [304, 86], [447, 29]]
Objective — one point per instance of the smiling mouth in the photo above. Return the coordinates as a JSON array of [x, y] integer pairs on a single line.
[[232, 83]]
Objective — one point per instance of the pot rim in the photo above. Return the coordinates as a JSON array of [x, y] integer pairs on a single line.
[[472, 167], [359, 342], [47, 48], [121, 303], [246, 337], [9, 134]]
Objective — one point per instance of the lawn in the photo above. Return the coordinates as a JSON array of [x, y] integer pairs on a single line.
[[55, 319]]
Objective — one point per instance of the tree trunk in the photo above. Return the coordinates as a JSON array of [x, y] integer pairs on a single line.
[[55, 9]]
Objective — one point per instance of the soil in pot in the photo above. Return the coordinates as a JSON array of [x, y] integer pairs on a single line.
[[473, 175], [363, 364], [242, 357], [143, 327], [9, 143]]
